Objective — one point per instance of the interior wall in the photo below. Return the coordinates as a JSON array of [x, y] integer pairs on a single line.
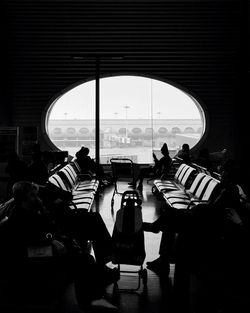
[[198, 45]]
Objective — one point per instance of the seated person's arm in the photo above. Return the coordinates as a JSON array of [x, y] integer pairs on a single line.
[[156, 161], [233, 216]]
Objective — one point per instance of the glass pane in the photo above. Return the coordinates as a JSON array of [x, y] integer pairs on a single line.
[[71, 119], [137, 115], [125, 114]]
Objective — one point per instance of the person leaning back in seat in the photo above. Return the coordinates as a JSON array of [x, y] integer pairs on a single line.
[[29, 226], [87, 164]]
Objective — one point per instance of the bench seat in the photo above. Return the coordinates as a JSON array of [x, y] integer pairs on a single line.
[[70, 177], [202, 189], [82, 199], [182, 176]]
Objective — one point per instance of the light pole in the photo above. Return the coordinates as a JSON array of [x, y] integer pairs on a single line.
[[159, 115], [65, 140], [126, 107]]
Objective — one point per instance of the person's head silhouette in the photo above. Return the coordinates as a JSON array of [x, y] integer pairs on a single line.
[[164, 149]]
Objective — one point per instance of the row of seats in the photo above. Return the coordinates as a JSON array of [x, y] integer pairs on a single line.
[[83, 187], [187, 188], [182, 176]]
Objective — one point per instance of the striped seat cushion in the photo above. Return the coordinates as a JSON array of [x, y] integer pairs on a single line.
[[182, 175], [200, 191]]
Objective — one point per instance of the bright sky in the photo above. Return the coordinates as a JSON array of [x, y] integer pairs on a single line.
[[142, 96]]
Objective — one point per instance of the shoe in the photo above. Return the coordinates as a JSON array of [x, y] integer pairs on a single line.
[[102, 305], [111, 275], [146, 226], [159, 267], [150, 227], [140, 187]]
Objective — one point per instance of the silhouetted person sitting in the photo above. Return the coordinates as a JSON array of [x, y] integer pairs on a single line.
[[83, 225], [211, 245], [184, 154], [214, 244], [172, 221], [87, 164], [27, 223], [160, 168], [30, 230]]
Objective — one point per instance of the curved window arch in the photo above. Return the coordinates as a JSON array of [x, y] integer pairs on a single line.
[[57, 132], [71, 131], [122, 131], [149, 131], [175, 130], [83, 131], [136, 131], [188, 130], [162, 131], [127, 104]]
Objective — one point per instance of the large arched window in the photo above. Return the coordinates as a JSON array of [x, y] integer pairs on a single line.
[[137, 113]]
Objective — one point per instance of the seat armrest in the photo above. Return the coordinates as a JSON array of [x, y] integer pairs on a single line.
[[193, 202], [85, 176]]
